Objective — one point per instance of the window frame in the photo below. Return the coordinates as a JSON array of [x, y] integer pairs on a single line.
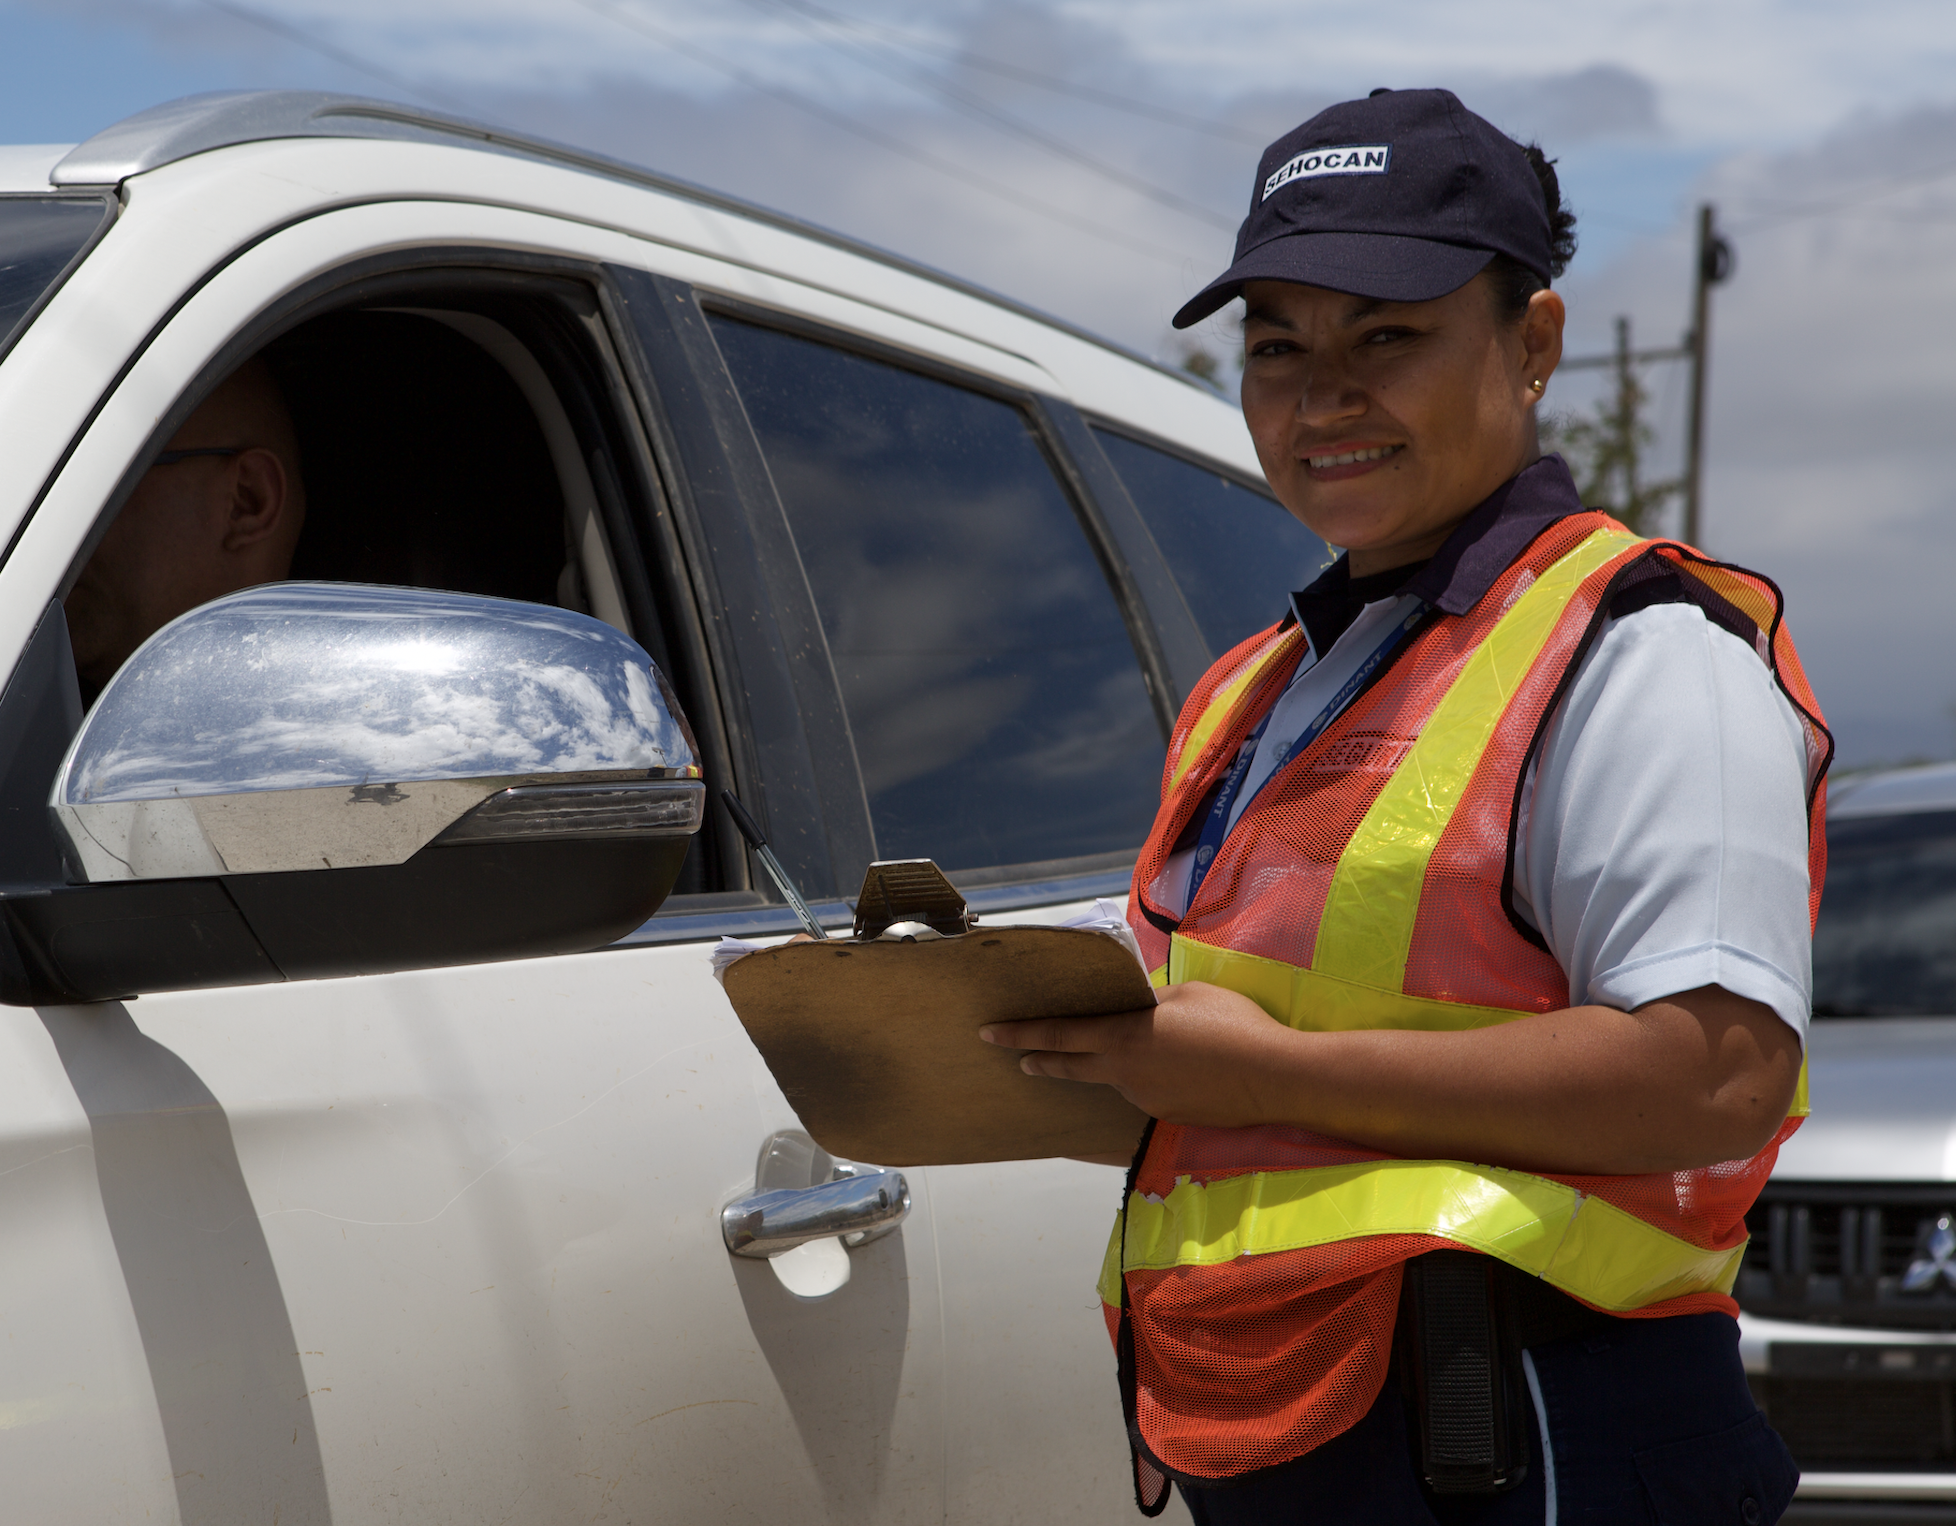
[[572, 327]]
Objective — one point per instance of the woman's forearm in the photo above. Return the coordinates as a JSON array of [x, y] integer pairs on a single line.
[[1694, 1079], [1684, 1082]]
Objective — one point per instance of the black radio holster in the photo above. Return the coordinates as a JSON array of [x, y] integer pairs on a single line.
[[1464, 1321]]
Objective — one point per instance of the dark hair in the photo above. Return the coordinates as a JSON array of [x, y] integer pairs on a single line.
[[1513, 282]]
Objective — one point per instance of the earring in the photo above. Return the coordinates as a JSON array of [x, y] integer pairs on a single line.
[[1538, 384]]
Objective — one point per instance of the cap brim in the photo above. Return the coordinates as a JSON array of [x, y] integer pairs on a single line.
[[1378, 265]]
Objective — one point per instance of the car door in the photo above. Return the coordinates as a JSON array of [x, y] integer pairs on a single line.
[[1005, 681], [442, 1244]]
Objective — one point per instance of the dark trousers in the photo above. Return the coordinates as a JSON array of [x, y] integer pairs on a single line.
[[1649, 1421]]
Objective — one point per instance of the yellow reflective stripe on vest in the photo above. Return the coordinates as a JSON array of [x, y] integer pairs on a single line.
[[1111, 1287], [1373, 902], [1319, 1003], [1580, 1244], [1225, 701]]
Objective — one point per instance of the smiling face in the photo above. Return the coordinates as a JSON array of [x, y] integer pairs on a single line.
[[1381, 425]]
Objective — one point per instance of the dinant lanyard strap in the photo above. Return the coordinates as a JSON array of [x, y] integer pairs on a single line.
[[1217, 825]]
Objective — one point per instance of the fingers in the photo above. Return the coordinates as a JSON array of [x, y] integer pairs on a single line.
[[1066, 1048], [1067, 1067], [1069, 1035]]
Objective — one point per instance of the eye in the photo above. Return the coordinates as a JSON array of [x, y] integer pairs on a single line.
[[1381, 337]]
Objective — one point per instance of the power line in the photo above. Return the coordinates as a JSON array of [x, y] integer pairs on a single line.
[[631, 21], [981, 109], [338, 55], [1108, 98], [1847, 200]]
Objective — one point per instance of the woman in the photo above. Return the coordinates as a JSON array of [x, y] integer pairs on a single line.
[[1480, 897]]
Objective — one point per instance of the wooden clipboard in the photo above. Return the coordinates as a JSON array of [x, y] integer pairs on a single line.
[[876, 1043]]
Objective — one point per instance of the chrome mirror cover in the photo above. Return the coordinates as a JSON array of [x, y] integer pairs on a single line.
[[301, 726]]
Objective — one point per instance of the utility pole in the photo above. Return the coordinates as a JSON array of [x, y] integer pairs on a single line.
[[1714, 264], [1628, 424]]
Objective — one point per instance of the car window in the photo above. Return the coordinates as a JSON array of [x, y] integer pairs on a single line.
[[39, 237], [432, 447], [1885, 942], [1236, 553], [997, 708]]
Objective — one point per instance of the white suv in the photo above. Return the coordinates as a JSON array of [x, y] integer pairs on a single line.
[[370, 1165]]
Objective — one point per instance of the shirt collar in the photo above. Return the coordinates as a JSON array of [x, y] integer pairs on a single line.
[[1483, 546]]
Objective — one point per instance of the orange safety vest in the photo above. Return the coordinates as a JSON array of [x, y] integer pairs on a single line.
[[1253, 1278]]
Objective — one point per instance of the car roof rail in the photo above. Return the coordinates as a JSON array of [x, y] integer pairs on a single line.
[[197, 124]]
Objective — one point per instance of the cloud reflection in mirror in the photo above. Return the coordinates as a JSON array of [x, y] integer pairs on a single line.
[[303, 685]]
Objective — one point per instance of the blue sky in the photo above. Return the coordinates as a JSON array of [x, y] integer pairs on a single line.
[[980, 135]]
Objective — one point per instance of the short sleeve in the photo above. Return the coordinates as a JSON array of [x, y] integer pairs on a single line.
[[1664, 841]]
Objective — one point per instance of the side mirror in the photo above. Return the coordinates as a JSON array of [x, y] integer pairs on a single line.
[[315, 779]]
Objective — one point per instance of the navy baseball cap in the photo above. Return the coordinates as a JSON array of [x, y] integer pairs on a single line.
[[1404, 196]]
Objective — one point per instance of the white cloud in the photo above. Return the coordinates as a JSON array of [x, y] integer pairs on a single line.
[[1831, 462], [1740, 71]]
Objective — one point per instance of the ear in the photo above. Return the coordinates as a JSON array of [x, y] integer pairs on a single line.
[[1541, 338], [259, 494]]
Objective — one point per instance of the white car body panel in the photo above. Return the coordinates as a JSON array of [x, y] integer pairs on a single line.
[[482, 1201], [79, 1430], [531, 1157]]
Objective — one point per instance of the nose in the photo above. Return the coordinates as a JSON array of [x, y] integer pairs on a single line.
[[1331, 396]]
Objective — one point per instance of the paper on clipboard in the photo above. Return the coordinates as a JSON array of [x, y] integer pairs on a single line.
[[1102, 917], [876, 1043]]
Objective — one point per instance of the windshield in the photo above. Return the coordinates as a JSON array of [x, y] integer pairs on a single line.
[[1885, 945], [40, 236]]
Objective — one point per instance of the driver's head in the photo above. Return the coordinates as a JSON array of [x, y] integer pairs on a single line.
[[220, 510]]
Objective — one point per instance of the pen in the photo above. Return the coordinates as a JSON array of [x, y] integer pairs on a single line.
[[751, 830]]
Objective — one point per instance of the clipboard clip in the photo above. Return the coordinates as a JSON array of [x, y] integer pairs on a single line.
[[908, 900]]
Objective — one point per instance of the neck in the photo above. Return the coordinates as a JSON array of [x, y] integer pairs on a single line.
[[1363, 561]]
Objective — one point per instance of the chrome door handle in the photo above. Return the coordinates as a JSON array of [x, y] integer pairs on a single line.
[[852, 1208]]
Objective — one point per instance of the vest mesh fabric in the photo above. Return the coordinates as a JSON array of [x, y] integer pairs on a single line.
[[1251, 1363]]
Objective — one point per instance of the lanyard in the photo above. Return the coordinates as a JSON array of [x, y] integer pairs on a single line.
[[1216, 828]]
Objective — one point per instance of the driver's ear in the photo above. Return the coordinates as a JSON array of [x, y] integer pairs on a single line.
[[259, 492]]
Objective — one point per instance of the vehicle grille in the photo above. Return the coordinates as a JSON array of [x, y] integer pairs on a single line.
[[1844, 1253], [1861, 1423]]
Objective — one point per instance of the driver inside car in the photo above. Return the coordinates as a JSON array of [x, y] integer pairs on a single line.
[[219, 509]]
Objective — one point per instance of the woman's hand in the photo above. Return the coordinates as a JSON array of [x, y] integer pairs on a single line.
[[1198, 1056]]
